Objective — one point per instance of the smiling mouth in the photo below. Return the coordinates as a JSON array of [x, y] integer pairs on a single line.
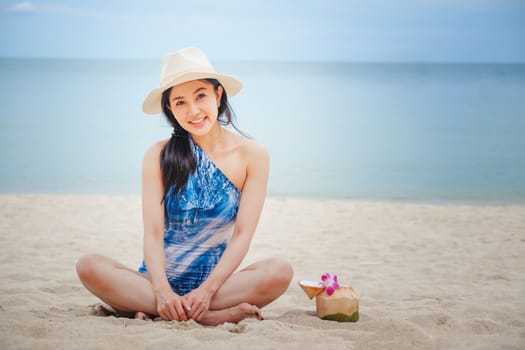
[[198, 121]]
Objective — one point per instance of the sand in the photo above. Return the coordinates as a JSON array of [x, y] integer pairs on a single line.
[[436, 276]]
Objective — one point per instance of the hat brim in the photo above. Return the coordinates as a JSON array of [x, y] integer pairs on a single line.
[[152, 103]]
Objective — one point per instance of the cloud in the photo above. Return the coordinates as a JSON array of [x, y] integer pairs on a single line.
[[21, 7]]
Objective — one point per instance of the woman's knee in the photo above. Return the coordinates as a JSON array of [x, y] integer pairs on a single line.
[[281, 272], [87, 267]]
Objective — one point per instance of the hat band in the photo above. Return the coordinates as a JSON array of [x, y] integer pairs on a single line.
[[177, 75]]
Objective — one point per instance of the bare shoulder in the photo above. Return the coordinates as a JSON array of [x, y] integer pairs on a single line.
[[153, 151], [152, 154], [254, 151]]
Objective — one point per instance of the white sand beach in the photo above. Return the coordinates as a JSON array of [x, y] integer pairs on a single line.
[[441, 276]]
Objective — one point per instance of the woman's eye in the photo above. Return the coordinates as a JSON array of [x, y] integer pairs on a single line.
[[179, 103], [199, 96]]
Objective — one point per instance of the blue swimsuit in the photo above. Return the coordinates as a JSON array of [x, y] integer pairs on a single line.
[[199, 225]]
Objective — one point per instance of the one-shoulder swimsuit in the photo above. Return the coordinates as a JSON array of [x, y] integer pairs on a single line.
[[198, 224]]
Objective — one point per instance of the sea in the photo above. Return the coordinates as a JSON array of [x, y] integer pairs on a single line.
[[417, 132]]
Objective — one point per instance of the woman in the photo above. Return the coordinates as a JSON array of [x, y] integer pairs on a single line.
[[202, 194]]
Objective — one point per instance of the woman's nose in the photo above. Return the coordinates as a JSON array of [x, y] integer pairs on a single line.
[[193, 109]]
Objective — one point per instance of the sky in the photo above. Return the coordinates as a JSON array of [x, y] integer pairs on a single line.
[[264, 30]]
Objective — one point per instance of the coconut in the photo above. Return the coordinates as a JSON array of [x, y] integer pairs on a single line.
[[341, 306]]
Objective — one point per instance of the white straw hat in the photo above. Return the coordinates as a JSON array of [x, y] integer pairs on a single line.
[[182, 66]]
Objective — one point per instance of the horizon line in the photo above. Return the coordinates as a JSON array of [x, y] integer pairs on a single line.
[[77, 58]]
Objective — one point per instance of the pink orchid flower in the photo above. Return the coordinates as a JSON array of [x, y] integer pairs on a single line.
[[330, 283]]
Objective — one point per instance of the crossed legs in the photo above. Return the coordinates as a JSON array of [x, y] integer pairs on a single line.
[[241, 296]]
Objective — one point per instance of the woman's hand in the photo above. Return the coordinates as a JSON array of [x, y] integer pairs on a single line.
[[171, 306], [197, 302]]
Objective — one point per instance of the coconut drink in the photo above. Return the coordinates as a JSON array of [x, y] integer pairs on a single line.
[[333, 301]]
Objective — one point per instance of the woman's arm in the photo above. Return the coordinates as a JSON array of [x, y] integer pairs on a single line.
[[168, 303], [250, 207]]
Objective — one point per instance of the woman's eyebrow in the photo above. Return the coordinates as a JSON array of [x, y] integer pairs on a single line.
[[194, 92], [199, 89]]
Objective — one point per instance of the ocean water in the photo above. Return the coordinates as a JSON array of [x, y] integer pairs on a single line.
[[415, 132]]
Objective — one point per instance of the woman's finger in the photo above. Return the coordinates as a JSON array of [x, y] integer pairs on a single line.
[[180, 312], [186, 306], [203, 308], [164, 315], [192, 311], [172, 312], [199, 315]]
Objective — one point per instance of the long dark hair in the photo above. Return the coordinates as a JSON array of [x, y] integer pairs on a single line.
[[176, 158]]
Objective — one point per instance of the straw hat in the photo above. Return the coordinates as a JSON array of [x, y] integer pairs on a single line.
[[182, 66]]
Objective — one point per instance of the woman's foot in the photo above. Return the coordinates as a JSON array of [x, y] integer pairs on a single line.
[[232, 315], [142, 316]]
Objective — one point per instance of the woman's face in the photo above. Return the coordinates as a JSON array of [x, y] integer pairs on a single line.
[[195, 106]]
